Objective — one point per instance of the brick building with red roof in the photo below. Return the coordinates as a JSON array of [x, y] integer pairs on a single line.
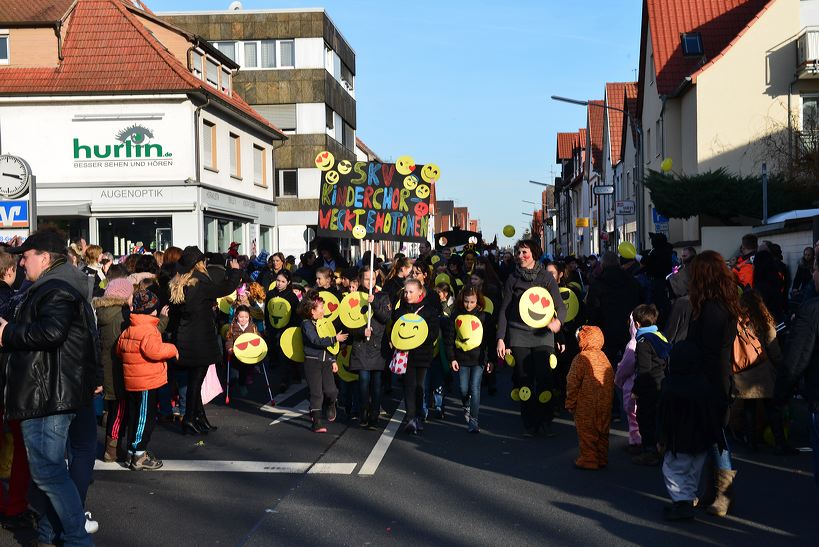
[[133, 128]]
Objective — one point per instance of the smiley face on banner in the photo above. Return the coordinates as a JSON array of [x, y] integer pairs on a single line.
[[293, 344], [536, 307], [279, 311], [344, 167], [326, 329], [410, 182], [571, 301], [468, 332], [409, 332], [325, 160], [330, 305], [405, 165], [249, 348], [422, 191], [359, 231], [430, 173], [331, 177], [353, 310]]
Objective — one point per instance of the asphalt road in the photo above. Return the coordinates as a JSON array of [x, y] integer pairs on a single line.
[[444, 487]]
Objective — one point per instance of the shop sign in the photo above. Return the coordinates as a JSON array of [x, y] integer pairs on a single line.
[[131, 146], [625, 207], [14, 214], [581, 222]]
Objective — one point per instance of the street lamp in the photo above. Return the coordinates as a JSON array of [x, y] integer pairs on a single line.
[[527, 201], [638, 160]]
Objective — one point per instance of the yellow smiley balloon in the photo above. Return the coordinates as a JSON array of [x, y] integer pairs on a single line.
[[326, 329], [422, 191], [330, 305], [409, 332], [279, 311], [468, 332], [344, 167], [430, 173], [405, 165], [488, 306], [443, 278], [571, 301], [325, 160], [353, 310], [293, 344], [249, 348], [536, 307], [343, 361], [525, 393], [410, 182]]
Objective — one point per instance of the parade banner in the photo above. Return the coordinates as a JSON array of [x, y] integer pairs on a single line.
[[375, 201]]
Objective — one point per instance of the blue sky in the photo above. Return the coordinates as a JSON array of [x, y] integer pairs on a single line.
[[466, 84]]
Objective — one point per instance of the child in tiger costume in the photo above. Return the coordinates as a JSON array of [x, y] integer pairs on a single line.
[[589, 393]]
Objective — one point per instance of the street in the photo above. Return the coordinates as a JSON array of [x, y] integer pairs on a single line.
[[252, 483]]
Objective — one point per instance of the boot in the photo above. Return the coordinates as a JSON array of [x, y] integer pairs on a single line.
[[203, 422], [725, 493], [709, 485], [679, 510], [317, 427], [110, 450]]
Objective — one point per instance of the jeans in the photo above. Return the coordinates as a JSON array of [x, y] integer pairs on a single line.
[[82, 449], [814, 443], [470, 383], [722, 460], [57, 498], [369, 393]]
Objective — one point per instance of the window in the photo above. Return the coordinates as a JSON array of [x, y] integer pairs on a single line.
[[692, 44], [212, 72], [658, 134], [227, 48], [235, 156], [209, 144], [810, 114], [4, 49], [347, 78], [268, 54], [282, 116], [648, 142], [251, 53], [348, 137], [259, 166], [651, 68], [196, 63], [287, 53], [328, 112], [224, 84], [289, 181]]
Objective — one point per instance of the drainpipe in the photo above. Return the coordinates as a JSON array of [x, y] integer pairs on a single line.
[[58, 25], [197, 151]]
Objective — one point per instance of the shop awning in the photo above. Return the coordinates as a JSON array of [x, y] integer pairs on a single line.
[[64, 209]]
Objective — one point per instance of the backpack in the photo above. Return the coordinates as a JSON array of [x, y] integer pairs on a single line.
[[748, 349]]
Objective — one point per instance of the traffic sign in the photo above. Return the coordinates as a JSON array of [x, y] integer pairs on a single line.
[[603, 190]]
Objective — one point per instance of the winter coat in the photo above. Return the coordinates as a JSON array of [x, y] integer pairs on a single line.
[[801, 357], [374, 353], [478, 356], [6, 295], [510, 325], [758, 381], [195, 333], [590, 383], [676, 327], [430, 310], [50, 358], [143, 354], [315, 346], [651, 361], [112, 319], [626, 368], [235, 331], [609, 303]]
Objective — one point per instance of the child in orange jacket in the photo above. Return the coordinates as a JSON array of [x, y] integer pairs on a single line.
[[143, 355], [589, 393]]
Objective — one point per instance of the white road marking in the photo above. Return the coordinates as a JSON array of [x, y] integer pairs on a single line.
[[615, 432], [219, 466], [278, 399], [380, 449], [289, 413], [332, 469]]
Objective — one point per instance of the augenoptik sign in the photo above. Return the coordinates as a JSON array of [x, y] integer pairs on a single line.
[[132, 146]]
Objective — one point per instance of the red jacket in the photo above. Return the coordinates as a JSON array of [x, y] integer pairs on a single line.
[[143, 354]]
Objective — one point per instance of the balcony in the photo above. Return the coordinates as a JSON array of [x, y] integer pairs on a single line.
[[807, 53]]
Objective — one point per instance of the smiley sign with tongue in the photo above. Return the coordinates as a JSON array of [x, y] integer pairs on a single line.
[[536, 307]]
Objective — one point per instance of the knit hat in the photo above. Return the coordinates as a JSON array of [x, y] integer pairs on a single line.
[[145, 302], [119, 288]]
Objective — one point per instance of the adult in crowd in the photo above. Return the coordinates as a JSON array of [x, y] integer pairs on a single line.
[[744, 266], [657, 265], [399, 273], [50, 362], [94, 268], [715, 310], [193, 296], [330, 256], [531, 347], [769, 281], [275, 264], [804, 275]]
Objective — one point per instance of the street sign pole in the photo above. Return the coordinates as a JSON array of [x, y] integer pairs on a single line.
[[764, 193]]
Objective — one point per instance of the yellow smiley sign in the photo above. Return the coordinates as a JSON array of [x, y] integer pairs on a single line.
[[545, 397], [553, 361], [353, 310], [488, 306], [409, 332], [344, 167], [330, 305], [515, 394], [571, 301], [343, 361], [249, 348], [325, 160], [279, 311], [443, 278], [359, 231], [430, 173], [293, 344], [422, 191], [536, 307], [331, 177], [405, 165], [510, 360], [525, 393], [410, 182], [468, 332], [226, 302], [326, 329]]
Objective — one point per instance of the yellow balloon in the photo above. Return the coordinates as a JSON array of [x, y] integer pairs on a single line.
[[409, 332], [326, 329], [667, 165], [293, 344], [510, 359], [249, 348], [545, 397], [571, 301], [627, 250], [279, 311], [509, 230], [525, 393], [331, 304], [515, 394], [435, 259], [553, 361], [468, 332], [353, 310], [536, 307]]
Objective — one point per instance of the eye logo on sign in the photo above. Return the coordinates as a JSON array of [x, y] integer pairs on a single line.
[[136, 134], [132, 146]]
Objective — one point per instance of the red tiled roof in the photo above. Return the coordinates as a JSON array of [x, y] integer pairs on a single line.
[[581, 136], [596, 114], [631, 104], [564, 146], [33, 11], [719, 22], [108, 50], [616, 93]]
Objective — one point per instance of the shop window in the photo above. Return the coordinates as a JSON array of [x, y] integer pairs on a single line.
[[259, 166], [289, 183], [209, 144], [124, 235], [72, 227], [265, 238], [235, 156], [225, 233], [238, 236]]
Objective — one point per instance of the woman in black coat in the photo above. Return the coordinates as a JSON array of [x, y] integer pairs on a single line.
[[370, 351], [193, 296]]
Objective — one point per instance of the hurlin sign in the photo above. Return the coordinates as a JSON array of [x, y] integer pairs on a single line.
[[133, 147]]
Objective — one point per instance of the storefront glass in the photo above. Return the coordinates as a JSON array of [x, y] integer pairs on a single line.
[[124, 235], [71, 227]]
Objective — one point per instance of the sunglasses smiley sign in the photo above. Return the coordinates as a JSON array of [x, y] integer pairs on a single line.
[[250, 348]]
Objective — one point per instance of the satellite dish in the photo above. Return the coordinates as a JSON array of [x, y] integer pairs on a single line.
[[235, 6]]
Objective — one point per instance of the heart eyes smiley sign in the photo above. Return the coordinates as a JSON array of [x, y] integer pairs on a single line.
[[468, 332], [536, 307]]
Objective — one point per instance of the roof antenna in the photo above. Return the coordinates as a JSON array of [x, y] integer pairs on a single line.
[[235, 6]]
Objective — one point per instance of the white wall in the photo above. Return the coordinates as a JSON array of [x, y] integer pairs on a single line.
[[808, 15], [291, 240], [723, 239], [309, 183], [309, 52], [311, 118]]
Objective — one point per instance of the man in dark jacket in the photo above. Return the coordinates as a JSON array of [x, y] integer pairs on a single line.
[[50, 363]]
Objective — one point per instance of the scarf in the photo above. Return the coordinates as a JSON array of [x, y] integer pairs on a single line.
[[529, 275]]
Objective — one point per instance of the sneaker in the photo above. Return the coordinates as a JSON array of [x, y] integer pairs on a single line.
[[411, 428], [473, 426], [467, 412], [332, 412], [650, 459], [91, 525], [419, 424], [145, 462]]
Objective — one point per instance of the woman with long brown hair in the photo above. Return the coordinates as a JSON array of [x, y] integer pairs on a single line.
[[715, 309], [400, 272]]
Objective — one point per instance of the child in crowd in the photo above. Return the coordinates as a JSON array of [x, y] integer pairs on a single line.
[[445, 295], [325, 281], [689, 425], [144, 357], [624, 379], [589, 393], [240, 325], [651, 359], [319, 364]]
